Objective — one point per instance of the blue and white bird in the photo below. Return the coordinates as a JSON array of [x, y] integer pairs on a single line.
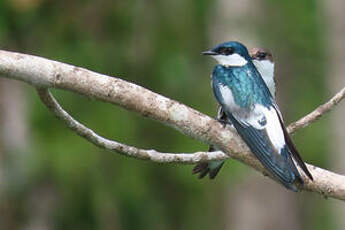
[[263, 61], [252, 110]]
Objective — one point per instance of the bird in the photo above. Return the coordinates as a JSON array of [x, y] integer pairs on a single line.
[[263, 60], [250, 107]]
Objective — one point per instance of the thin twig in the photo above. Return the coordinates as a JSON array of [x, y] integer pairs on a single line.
[[153, 155], [317, 113]]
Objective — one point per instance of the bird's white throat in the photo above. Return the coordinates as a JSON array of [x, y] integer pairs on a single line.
[[231, 60]]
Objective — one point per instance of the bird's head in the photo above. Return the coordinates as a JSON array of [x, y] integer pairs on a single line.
[[261, 54], [230, 54]]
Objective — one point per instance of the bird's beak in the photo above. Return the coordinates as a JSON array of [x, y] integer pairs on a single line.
[[209, 52]]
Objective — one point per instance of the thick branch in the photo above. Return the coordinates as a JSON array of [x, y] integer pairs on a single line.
[[42, 72]]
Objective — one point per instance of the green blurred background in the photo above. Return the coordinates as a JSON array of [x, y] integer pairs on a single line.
[[52, 179]]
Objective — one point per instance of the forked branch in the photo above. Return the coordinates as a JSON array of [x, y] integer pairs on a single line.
[[43, 74]]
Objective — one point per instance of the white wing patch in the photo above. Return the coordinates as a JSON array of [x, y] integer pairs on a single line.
[[264, 118], [274, 129], [260, 117], [255, 118], [229, 102], [266, 70], [230, 60], [227, 96]]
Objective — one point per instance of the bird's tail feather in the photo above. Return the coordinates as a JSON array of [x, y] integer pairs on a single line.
[[212, 168]]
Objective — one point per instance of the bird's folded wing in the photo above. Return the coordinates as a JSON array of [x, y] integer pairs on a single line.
[[292, 147], [268, 145]]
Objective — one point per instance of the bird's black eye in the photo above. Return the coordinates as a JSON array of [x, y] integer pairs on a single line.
[[225, 50], [262, 55]]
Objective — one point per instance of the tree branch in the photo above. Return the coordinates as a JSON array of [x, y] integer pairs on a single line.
[[43, 73], [317, 113], [153, 155]]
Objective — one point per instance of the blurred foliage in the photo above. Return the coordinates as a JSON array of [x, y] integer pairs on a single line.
[[155, 44]]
